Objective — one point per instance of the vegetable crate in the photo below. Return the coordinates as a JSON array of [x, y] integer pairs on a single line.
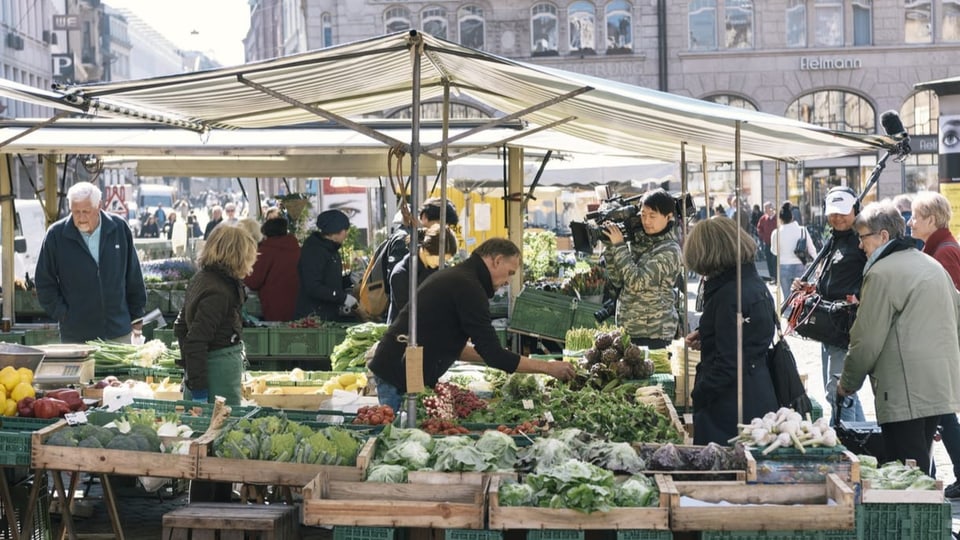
[[165, 335], [736, 506], [39, 527], [816, 410], [535, 518], [256, 341], [331, 336], [583, 314], [177, 299], [471, 534], [543, 314], [779, 535], [375, 504], [42, 336], [364, 533], [15, 437], [296, 342], [157, 299], [104, 461], [789, 466], [26, 303], [12, 337], [904, 521]]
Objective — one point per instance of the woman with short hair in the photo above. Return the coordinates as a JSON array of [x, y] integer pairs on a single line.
[[711, 251]]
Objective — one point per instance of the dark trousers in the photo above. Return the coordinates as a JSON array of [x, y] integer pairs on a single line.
[[950, 435], [771, 261], [910, 439]]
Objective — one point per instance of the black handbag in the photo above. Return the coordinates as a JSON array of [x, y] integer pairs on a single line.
[[787, 385], [800, 250], [809, 315]]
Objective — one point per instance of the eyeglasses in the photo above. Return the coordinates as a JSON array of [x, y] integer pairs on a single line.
[[862, 236]]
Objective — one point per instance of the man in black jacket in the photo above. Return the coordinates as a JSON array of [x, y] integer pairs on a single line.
[[453, 306]]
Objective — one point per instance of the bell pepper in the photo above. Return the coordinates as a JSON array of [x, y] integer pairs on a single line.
[[50, 408], [25, 407], [70, 396]]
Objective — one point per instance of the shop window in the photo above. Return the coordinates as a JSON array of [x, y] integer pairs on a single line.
[[796, 19], [738, 24], [951, 20], [835, 109], [471, 27], [917, 23], [828, 15], [397, 19], [703, 25], [326, 23], [732, 101], [863, 22], [435, 22], [582, 18], [619, 27], [920, 173], [920, 113], [543, 30]]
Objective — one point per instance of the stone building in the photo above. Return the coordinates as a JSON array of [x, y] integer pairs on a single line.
[[837, 63]]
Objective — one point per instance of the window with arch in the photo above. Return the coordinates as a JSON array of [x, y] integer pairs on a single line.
[[435, 22], [397, 19], [796, 19], [738, 24], [733, 101], [582, 18], [828, 16], [918, 21], [619, 27], [920, 113], [326, 23], [951, 20], [862, 22], [835, 109], [543, 30], [703, 25], [433, 110], [471, 27]]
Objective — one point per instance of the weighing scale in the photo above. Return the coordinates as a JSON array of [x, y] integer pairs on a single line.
[[64, 364]]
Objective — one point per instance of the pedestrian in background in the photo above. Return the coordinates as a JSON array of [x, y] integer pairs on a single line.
[[765, 227], [322, 292], [88, 273], [216, 217], [782, 244], [231, 210], [427, 260], [905, 337], [274, 275], [930, 219]]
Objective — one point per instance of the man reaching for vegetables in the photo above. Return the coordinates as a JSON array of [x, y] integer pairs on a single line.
[[453, 306]]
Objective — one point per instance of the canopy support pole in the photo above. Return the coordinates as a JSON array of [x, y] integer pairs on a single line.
[[49, 200], [738, 187], [414, 355], [445, 157], [7, 225], [515, 212]]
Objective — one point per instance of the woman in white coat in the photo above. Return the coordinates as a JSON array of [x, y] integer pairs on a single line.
[[782, 244]]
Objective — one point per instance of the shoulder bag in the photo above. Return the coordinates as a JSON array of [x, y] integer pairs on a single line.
[[787, 384], [800, 250]]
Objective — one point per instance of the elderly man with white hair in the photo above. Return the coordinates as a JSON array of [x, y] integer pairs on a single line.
[[88, 273]]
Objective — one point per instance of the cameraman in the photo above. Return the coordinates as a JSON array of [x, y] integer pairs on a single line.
[[839, 278], [646, 272]]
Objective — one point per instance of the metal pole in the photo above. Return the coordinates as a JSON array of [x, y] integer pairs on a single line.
[[416, 51], [444, 160], [706, 184], [738, 185], [6, 196], [776, 208]]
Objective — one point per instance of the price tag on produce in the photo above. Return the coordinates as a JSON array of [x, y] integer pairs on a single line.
[[527, 404], [548, 416], [75, 418]]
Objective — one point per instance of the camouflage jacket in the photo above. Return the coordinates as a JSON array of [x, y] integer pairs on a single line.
[[646, 273]]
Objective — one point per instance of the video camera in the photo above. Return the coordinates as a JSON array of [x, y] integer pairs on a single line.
[[625, 214]]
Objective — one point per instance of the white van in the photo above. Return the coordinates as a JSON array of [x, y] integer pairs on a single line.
[[149, 196], [30, 227]]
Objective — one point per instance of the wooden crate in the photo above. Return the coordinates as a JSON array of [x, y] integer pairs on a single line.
[[526, 517], [375, 504], [781, 507], [274, 473], [690, 475], [301, 398], [99, 460], [793, 469], [870, 495], [443, 478], [274, 522]]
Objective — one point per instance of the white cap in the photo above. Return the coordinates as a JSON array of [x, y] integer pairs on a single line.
[[840, 202]]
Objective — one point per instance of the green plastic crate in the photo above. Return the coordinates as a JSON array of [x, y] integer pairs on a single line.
[[26, 303], [158, 373], [502, 336], [252, 305], [816, 409], [157, 299], [471, 534], [904, 521], [12, 337], [163, 406], [256, 341], [643, 534], [554, 534], [364, 533], [333, 335], [177, 299], [779, 535], [42, 336], [15, 438], [296, 341], [165, 335], [544, 314]]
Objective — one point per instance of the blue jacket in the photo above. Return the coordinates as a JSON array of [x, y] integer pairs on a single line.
[[88, 301]]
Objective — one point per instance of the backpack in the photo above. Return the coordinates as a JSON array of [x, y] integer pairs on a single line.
[[374, 295]]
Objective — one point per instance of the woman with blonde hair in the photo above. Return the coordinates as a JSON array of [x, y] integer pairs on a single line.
[[427, 260], [711, 251], [208, 327]]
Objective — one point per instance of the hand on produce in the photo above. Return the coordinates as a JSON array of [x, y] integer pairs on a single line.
[[693, 340], [613, 233], [561, 370]]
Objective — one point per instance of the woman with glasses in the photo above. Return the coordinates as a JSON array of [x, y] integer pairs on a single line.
[[905, 337]]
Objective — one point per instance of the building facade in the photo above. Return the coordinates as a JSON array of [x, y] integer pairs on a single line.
[[836, 63]]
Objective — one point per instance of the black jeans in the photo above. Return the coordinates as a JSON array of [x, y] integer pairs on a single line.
[[910, 439]]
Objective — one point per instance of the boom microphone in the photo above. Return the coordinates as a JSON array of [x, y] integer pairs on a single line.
[[892, 125]]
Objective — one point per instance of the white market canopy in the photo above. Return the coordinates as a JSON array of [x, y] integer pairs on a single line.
[[344, 83]]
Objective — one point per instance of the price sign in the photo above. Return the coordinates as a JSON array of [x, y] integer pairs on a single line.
[[76, 418], [548, 416], [527, 404]]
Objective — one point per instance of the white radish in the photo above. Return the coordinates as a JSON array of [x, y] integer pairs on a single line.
[[782, 440]]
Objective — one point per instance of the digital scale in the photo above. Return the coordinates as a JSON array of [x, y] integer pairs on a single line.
[[64, 364]]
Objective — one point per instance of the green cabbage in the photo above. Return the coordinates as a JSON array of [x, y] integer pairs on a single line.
[[516, 495], [411, 454], [636, 491], [391, 474]]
